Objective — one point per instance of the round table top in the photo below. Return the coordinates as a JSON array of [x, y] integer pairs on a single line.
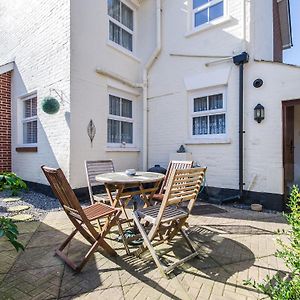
[[123, 178]]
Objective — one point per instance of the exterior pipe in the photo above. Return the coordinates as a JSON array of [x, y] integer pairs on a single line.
[[146, 69], [240, 60]]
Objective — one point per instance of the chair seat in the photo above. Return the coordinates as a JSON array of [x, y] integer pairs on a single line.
[[98, 210], [170, 213]]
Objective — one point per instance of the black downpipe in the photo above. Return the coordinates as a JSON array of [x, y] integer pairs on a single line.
[[240, 60]]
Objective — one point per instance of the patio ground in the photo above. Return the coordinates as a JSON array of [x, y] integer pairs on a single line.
[[234, 244]]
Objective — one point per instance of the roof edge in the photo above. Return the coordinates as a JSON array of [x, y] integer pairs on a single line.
[[7, 67]]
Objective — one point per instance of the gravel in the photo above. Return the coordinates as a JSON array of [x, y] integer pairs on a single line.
[[39, 204]]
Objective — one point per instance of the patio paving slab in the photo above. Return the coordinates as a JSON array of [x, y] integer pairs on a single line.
[[233, 246]]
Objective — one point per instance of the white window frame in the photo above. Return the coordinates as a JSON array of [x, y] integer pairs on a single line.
[[119, 24], [122, 119], [24, 98], [207, 93], [191, 19]]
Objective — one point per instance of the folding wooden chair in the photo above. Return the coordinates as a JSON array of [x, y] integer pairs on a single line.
[[173, 165], [168, 218], [81, 218], [93, 168]]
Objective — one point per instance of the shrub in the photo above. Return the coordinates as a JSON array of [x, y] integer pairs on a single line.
[[10, 230], [286, 286], [10, 181]]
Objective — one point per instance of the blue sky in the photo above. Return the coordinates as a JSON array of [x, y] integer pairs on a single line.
[[292, 56]]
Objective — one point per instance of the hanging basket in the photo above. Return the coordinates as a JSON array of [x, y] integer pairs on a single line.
[[50, 105]]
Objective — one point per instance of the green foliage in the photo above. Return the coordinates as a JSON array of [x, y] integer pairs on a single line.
[[9, 229], [286, 286], [10, 181]]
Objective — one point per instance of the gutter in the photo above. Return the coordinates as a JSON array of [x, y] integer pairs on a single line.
[[146, 70]]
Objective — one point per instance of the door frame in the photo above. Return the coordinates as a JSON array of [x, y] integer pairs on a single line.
[[285, 104]]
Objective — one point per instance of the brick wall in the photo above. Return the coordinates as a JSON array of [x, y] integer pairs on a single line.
[[277, 44], [5, 121]]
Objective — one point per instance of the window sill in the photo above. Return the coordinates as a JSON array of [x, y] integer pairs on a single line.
[[208, 26], [199, 141], [27, 149], [122, 50], [115, 149]]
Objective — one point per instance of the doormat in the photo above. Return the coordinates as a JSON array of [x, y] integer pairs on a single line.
[[207, 209]]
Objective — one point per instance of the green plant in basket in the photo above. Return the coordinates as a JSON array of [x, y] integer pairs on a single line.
[[9, 230], [286, 286], [10, 181]]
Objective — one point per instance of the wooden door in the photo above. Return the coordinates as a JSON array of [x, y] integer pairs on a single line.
[[288, 144]]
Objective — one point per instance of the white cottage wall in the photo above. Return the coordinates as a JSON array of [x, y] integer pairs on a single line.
[[91, 49], [36, 34]]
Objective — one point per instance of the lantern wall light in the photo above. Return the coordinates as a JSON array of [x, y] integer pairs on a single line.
[[259, 113]]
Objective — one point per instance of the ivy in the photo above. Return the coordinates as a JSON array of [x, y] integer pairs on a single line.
[[10, 230]]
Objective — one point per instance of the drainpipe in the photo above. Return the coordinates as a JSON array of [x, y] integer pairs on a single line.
[[146, 69], [240, 60]]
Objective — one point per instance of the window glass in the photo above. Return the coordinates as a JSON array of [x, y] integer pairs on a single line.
[[126, 40], [200, 125], [201, 17], [127, 16], [114, 105], [113, 131], [200, 104], [217, 124], [114, 33], [126, 132], [114, 7], [215, 101], [216, 11], [198, 3], [126, 108]]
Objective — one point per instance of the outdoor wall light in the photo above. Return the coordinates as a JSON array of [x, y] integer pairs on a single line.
[[259, 113]]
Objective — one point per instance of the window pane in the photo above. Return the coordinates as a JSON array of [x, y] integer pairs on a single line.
[[114, 9], [198, 3], [114, 105], [200, 104], [200, 125], [127, 16], [27, 108], [126, 40], [216, 11], [217, 124], [201, 17], [126, 132], [30, 132], [215, 101], [114, 33], [34, 106], [126, 108], [113, 131]]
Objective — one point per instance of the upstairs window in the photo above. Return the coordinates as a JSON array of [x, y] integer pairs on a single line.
[[29, 119], [205, 11], [209, 115], [120, 121], [121, 25]]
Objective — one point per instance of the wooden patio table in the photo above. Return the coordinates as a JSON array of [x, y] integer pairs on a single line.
[[124, 185], [127, 186]]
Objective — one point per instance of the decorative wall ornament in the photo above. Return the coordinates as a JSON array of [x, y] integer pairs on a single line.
[[91, 131]]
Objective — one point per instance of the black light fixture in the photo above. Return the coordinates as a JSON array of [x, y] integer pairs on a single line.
[[259, 113]]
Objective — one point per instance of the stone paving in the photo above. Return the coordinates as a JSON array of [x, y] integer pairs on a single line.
[[235, 245]]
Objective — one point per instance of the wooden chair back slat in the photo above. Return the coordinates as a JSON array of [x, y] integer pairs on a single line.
[[174, 165], [96, 167], [64, 193], [184, 185]]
